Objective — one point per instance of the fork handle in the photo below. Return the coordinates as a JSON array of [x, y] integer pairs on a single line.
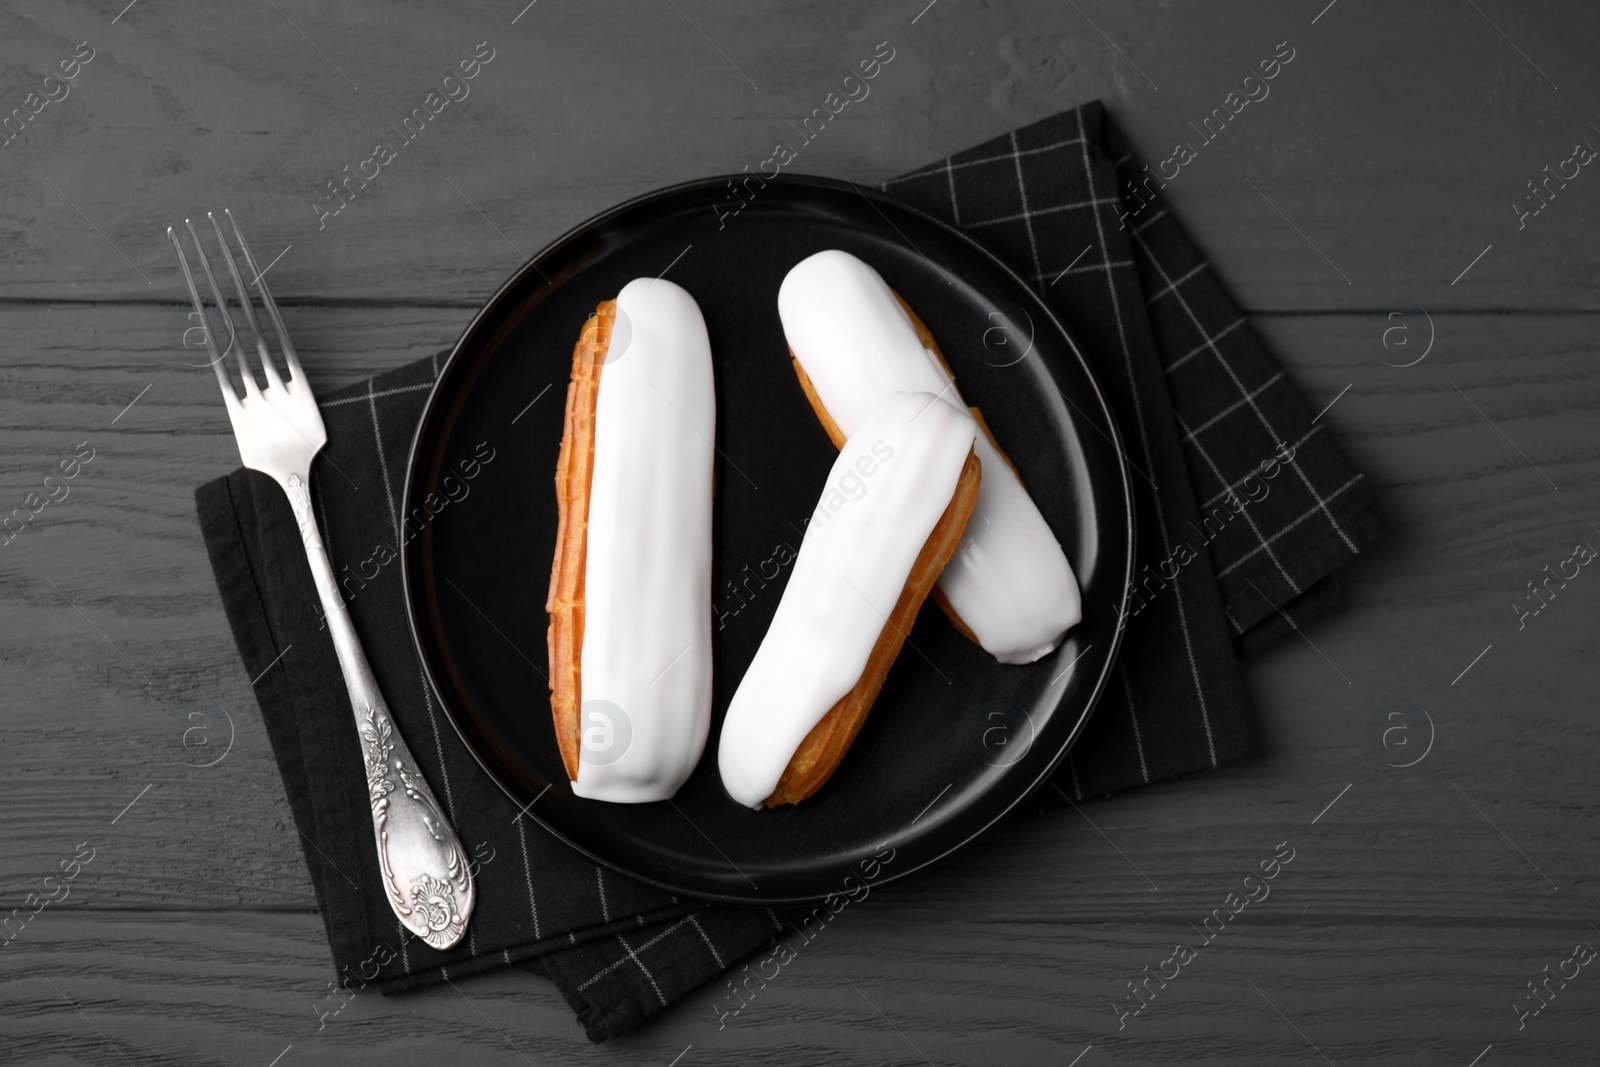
[[425, 874]]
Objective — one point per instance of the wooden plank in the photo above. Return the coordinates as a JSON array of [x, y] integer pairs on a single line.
[[971, 983], [1377, 179], [1370, 149], [1476, 523]]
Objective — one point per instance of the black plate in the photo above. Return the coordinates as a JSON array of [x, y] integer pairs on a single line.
[[956, 740]]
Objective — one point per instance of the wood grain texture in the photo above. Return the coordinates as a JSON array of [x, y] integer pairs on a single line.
[[1396, 141], [1418, 904], [959, 986]]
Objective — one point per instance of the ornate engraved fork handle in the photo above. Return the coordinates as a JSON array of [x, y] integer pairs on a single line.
[[424, 867]]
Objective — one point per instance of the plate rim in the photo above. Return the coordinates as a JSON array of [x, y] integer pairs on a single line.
[[876, 198]]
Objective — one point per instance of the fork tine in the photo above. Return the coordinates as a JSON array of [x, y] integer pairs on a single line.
[[205, 324], [251, 390], [266, 299], [247, 307]]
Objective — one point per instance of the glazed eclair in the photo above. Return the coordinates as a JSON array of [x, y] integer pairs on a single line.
[[853, 340], [895, 506], [630, 586]]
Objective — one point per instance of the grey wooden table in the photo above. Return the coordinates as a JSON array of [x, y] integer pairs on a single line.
[[1364, 213]]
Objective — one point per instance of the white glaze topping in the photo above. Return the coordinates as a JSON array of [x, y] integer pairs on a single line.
[[885, 494], [1009, 581], [646, 667]]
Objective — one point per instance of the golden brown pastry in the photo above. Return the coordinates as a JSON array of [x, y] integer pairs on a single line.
[[824, 747], [854, 340], [574, 466], [630, 584], [894, 508]]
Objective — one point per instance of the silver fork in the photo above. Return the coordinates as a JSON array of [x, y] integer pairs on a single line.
[[279, 431]]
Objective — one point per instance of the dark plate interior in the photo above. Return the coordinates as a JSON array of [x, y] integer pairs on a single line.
[[956, 740]]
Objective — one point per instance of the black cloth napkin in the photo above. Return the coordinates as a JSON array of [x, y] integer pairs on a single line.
[[1236, 544], [1227, 463]]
